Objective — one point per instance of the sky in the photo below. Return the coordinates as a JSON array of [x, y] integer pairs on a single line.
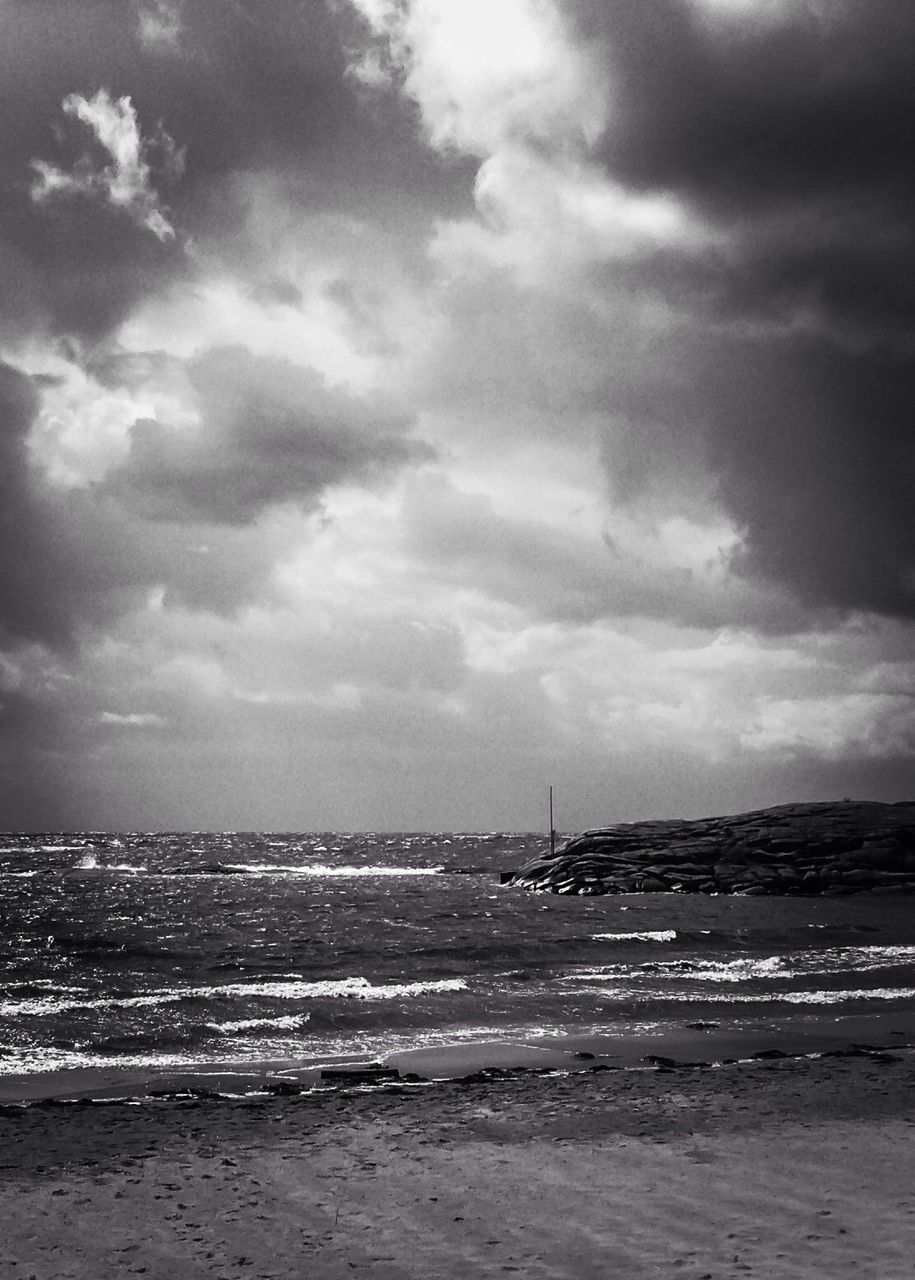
[[406, 405]]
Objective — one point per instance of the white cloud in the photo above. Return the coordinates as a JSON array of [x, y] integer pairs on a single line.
[[715, 696], [868, 724], [126, 181], [220, 312], [485, 74], [132, 719], [160, 24], [509, 83], [82, 427], [345, 306]]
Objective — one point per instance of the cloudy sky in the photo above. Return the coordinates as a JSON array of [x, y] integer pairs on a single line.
[[408, 404]]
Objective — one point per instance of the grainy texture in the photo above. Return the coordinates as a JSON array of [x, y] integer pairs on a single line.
[[793, 1168]]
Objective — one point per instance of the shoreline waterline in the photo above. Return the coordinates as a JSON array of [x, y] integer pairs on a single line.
[[700, 1044], [702, 1172]]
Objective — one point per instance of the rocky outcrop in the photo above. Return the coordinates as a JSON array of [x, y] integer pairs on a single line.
[[832, 848]]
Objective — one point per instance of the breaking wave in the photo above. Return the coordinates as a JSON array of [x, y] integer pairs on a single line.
[[649, 935], [323, 869], [355, 988], [747, 969], [291, 1022]]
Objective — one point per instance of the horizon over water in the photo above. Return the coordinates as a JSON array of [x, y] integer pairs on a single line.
[[192, 948]]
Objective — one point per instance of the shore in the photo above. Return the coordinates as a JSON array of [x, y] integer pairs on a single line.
[[700, 1042], [781, 1167]]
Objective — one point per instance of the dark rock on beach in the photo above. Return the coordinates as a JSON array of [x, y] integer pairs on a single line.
[[365, 1073], [831, 848]]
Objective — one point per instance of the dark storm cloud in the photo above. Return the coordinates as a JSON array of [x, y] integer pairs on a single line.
[[269, 433], [817, 458], [75, 265], [240, 88], [18, 405], [565, 579], [814, 452], [753, 110], [216, 91], [63, 558], [79, 557], [793, 140], [75, 558]]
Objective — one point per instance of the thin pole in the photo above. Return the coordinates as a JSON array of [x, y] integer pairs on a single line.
[[552, 829]]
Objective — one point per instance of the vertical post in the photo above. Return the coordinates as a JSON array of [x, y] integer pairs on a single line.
[[552, 829]]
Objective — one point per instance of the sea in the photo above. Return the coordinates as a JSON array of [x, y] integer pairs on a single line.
[[189, 949]]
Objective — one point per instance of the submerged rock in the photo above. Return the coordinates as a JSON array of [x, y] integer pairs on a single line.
[[830, 848]]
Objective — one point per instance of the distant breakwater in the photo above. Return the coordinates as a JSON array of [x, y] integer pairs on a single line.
[[800, 849]]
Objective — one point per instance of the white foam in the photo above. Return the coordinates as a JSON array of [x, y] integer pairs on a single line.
[[814, 997], [356, 988], [648, 935], [324, 869], [351, 988], [749, 968], [373, 1044], [50, 1005], [838, 997], [625, 995], [291, 1022]]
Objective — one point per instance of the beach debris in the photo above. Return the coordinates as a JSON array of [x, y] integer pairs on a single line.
[[282, 1087], [658, 1060], [359, 1073]]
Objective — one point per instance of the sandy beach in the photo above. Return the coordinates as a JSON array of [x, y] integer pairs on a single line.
[[779, 1167]]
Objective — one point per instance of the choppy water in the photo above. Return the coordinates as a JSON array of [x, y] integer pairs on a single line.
[[136, 948]]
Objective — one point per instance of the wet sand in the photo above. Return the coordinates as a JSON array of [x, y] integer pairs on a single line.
[[696, 1042], [781, 1168]]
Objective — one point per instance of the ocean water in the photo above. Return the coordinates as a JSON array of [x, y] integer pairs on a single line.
[[172, 949]]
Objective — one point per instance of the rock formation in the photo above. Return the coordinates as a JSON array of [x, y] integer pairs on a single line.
[[832, 848]]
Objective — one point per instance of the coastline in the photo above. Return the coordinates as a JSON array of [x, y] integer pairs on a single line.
[[686, 1044], [779, 1167]]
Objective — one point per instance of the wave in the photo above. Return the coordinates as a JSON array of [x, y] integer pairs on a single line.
[[25, 1060], [334, 988], [327, 869], [803, 997], [49, 1006], [649, 935], [131, 1041], [624, 995], [91, 863], [746, 969], [837, 997], [44, 992], [314, 870], [290, 1022], [355, 988]]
